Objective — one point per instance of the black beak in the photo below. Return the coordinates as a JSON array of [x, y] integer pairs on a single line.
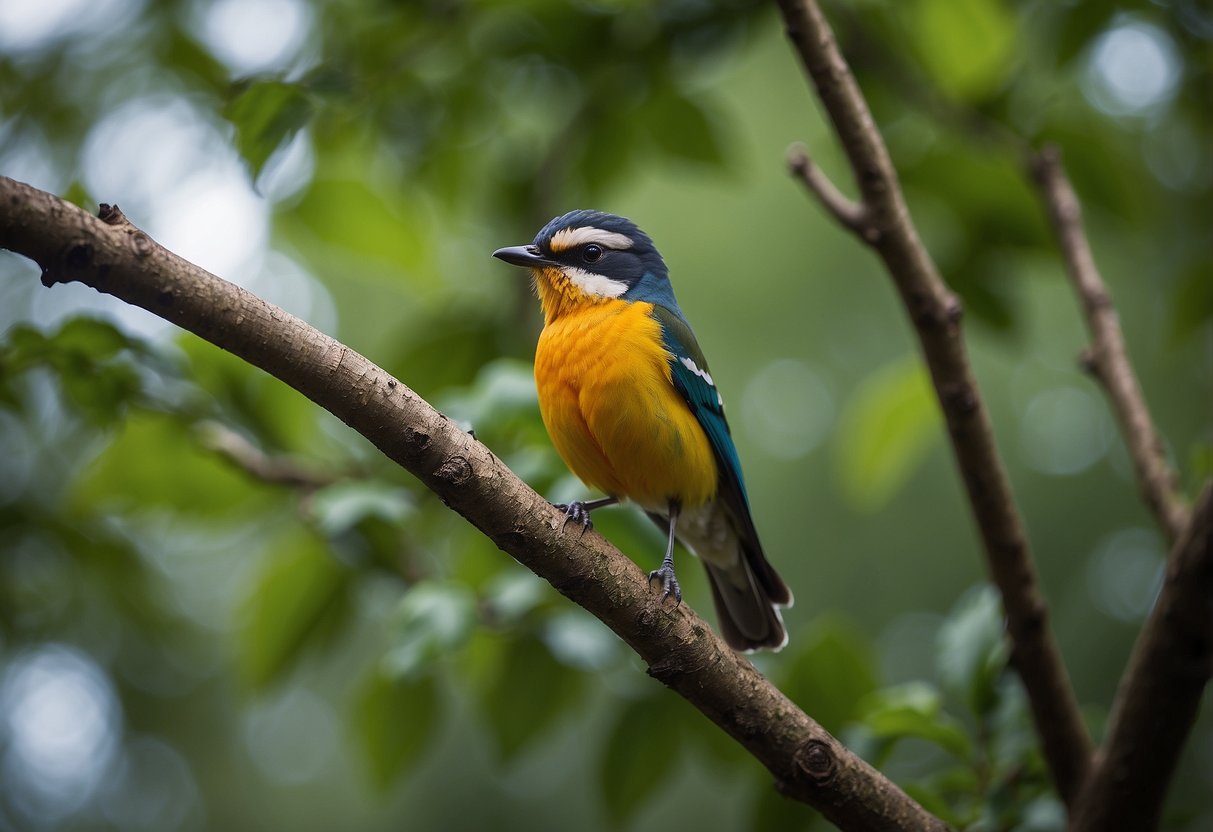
[[522, 256]]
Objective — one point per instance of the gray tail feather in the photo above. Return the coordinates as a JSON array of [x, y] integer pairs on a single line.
[[746, 612]]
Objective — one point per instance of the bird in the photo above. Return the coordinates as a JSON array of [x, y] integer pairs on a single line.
[[631, 407]]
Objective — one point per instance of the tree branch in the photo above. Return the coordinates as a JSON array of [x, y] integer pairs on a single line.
[[679, 647], [850, 214], [935, 313], [1107, 358], [1160, 692], [276, 470]]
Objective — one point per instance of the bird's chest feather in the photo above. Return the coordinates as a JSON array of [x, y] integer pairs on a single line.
[[610, 407]]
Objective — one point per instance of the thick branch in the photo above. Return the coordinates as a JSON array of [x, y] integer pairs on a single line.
[[1108, 358], [1160, 692], [679, 647], [936, 313]]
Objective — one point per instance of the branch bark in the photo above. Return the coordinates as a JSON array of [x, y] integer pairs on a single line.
[[935, 313], [1160, 692], [1108, 358], [681, 651]]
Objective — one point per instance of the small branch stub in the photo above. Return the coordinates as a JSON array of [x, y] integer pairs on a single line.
[[850, 214], [817, 761], [1107, 357]]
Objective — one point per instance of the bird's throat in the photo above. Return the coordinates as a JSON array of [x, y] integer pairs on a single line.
[[558, 295]]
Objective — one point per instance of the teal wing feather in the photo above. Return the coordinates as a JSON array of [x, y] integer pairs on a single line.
[[689, 371]]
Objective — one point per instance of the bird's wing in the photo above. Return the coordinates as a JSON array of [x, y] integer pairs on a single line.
[[689, 371], [692, 379]]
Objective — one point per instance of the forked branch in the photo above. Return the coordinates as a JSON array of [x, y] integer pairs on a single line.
[[935, 313], [1160, 691]]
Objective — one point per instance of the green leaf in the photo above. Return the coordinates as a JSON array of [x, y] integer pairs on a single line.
[[771, 810], [85, 356], [155, 462], [886, 430], [394, 720], [277, 416], [967, 47], [683, 129], [833, 669], [514, 593], [343, 505], [266, 115], [94, 338], [931, 800], [609, 149], [300, 598], [345, 224], [972, 649], [639, 755], [504, 389], [525, 694], [433, 620], [1080, 24], [1192, 307], [913, 710]]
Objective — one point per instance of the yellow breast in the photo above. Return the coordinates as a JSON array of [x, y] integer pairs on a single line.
[[609, 404]]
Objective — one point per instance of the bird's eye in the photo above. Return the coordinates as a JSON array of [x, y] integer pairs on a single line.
[[591, 253]]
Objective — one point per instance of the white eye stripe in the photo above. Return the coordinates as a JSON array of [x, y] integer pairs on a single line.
[[594, 284], [568, 238], [694, 368]]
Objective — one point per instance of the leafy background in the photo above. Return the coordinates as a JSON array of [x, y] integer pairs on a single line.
[[185, 646]]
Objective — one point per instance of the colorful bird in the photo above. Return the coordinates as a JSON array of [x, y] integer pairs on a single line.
[[628, 401]]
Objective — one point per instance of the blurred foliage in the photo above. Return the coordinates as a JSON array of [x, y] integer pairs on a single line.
[[336, 649]]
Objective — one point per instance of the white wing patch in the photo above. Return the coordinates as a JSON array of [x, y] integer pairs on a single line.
[[568, 238], [595, 284], [694, 368]]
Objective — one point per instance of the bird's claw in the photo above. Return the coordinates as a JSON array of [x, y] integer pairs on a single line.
[[668, 582], [576, 512]]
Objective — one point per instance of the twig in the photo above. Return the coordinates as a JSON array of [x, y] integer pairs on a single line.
[[1160, 692], [1107, 358], [936, 314], [679, 647], [848, 212], [257, 463]]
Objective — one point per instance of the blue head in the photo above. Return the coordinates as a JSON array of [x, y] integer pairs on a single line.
[[601, 254]]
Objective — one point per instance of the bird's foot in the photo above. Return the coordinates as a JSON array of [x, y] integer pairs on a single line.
[[667, 581], [576, 512]]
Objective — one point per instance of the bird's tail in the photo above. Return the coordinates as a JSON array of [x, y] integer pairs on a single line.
[[748, 602]]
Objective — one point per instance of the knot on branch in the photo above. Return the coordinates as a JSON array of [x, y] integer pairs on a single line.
[[959, 398], [816, 759], [455, 471], [953, 309], [142, 244], [1088, 360], [418, 440], [111, 214], [77, 257]]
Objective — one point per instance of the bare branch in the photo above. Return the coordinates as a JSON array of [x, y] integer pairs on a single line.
[[849, 213], [936, 313], [679, 647], [255, 462], [1160, 692], [1108, 358]]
